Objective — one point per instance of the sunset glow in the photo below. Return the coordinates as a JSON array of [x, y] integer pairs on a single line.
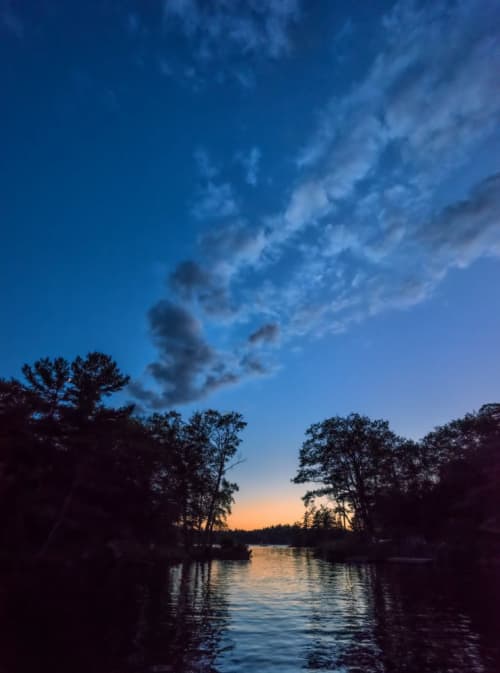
[[255, 513]]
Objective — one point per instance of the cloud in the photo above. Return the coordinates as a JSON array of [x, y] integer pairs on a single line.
[[308, 202], [258, 27], [425, 96], [206, 167], [190, 282], [268, 333], [253, 365], [425, 109], [369, 174], [467, 229], [233, 245], [228, 247], [188, 278], [352, 157], [188, 368], [427, 91], [214, 201], [409, 271], [387, 200], [250, 163]]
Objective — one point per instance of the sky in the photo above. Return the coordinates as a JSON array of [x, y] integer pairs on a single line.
[[284, 208]]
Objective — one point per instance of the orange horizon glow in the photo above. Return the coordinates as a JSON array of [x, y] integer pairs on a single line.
[[252, 514]]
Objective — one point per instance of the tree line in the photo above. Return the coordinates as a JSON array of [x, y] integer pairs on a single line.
[[443, 487], [77, 473]]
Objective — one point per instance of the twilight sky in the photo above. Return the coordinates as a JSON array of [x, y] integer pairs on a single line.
[[286, 208]]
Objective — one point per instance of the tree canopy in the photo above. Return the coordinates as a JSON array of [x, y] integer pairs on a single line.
[[383, 484], [77, 472]]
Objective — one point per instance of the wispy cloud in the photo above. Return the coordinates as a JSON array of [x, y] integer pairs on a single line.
[[245, 26], [373, 221], [467, 229], [251, 165], [206, 167], [198, 43], [232, 246], [215, 200], [268, 333]]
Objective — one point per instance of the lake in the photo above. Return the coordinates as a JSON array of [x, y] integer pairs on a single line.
[[285, 610]]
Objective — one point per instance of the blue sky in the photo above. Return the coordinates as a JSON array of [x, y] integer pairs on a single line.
[[286, 208]]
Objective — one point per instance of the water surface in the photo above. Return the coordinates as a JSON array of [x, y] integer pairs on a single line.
[[283, 611]]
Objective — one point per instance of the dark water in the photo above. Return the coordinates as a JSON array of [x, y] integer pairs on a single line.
[[283, 611]]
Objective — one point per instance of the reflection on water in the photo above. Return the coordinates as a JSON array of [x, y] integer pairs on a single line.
[[283, 611]]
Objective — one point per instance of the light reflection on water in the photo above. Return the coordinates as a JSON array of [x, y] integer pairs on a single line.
[[288, 611], [284, 611]]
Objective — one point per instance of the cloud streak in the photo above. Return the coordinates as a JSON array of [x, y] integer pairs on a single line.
[[251, 164], [244, 26], [372, 222], [268, 333]]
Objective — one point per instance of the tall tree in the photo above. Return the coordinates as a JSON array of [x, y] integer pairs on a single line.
[[221, 437], [467, 486], [351, 459], [76, 471]]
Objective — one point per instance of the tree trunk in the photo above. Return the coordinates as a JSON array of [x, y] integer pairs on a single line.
[[211, 510], [60, 518]]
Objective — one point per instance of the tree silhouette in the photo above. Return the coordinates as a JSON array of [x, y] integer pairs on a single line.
[[444, 488], [77, 473], [351, 458]]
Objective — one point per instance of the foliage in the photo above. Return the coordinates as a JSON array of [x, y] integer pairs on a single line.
[[281, 534], [77, 473], [444, 488], [352, 459]]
